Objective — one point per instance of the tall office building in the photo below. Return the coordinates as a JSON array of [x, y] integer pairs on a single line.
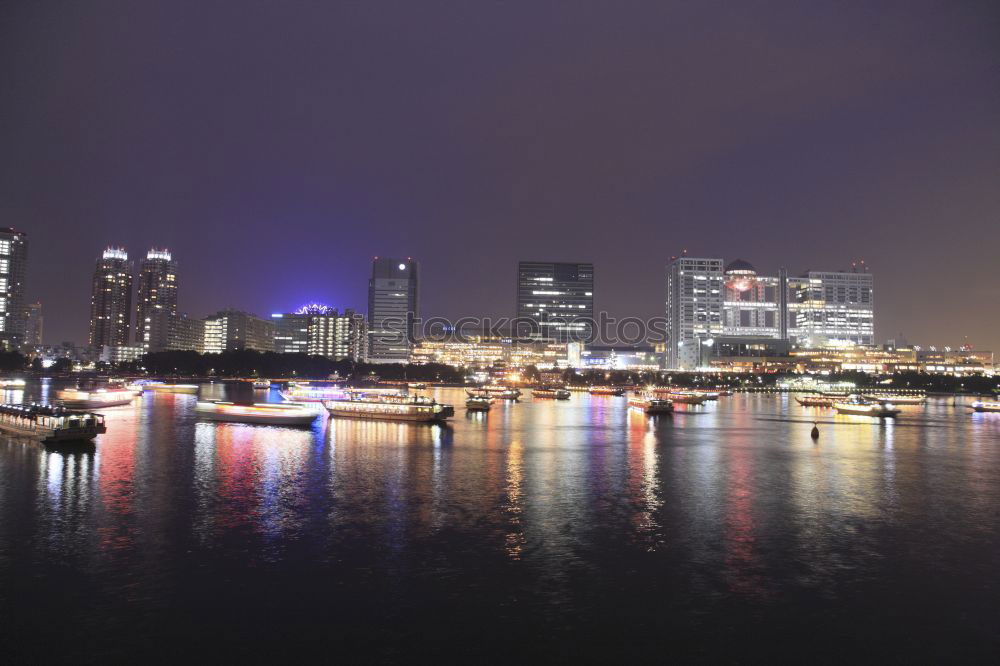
[[111, 299], [157, 299], [818, 309], [320, 330], [233, 330], [752, 304], [832, 308], [694, 308], [33, 327], [13, 257], [393, 304], [556, 300]]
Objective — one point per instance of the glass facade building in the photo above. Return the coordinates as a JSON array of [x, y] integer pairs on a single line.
[[555, 301]]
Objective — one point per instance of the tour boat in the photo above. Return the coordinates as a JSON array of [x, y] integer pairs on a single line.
[[50, 424], [607, 390], [262, 383], [651, 405], [680, 397], [861, 407], [554, 393], [905, 399], [389, 407], [981, 406], [264, 413], [160, 387], [11, 383], [418, 386], [815, 401], [497, 391], [479, 404], [307, 393], [96, 399]]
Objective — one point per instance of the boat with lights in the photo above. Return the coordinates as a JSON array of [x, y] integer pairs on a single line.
[[607, 390], [12, 383], [262, 383], [680, 397], [552, 393], [309, 393], [980, 406], [497, 391], [160, 387], [95, 399], [389, 407], [481, 403], [50, 424], [814, 401], [862, 407], [261, 413], [650, 404], [897, 399]]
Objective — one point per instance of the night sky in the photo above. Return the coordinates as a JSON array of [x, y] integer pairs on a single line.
[[276, 147]]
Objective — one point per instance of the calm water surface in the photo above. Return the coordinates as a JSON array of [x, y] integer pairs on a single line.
[[544, 530]]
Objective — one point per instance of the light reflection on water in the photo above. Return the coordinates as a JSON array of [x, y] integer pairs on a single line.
[[542, 521]]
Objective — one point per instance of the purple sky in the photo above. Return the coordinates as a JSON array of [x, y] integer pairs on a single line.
[[275, 147]]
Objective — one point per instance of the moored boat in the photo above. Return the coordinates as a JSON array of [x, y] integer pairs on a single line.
[[552, 393], [263, 413], [50, 424], [862, 407], [262, 383], [980, 406], [650, 404], [96, 399], [389, 407]]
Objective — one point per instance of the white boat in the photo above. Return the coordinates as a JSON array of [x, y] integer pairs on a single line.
[[861, 407], [96, 399], [12, 383], [980, 406], [651, 405], [263, 413], [680, 397], [262, 383], [49, 424], [389, 407]]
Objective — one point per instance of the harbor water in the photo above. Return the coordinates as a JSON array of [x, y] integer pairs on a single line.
[[543, 530]]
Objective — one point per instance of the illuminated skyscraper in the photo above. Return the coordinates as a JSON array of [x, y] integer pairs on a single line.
[[320, 330], [832, 308], [13, 256], [694, 308], [111, 299], [157, 299], [34, 326], [556, 300], [233, 330], [393, 304]]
